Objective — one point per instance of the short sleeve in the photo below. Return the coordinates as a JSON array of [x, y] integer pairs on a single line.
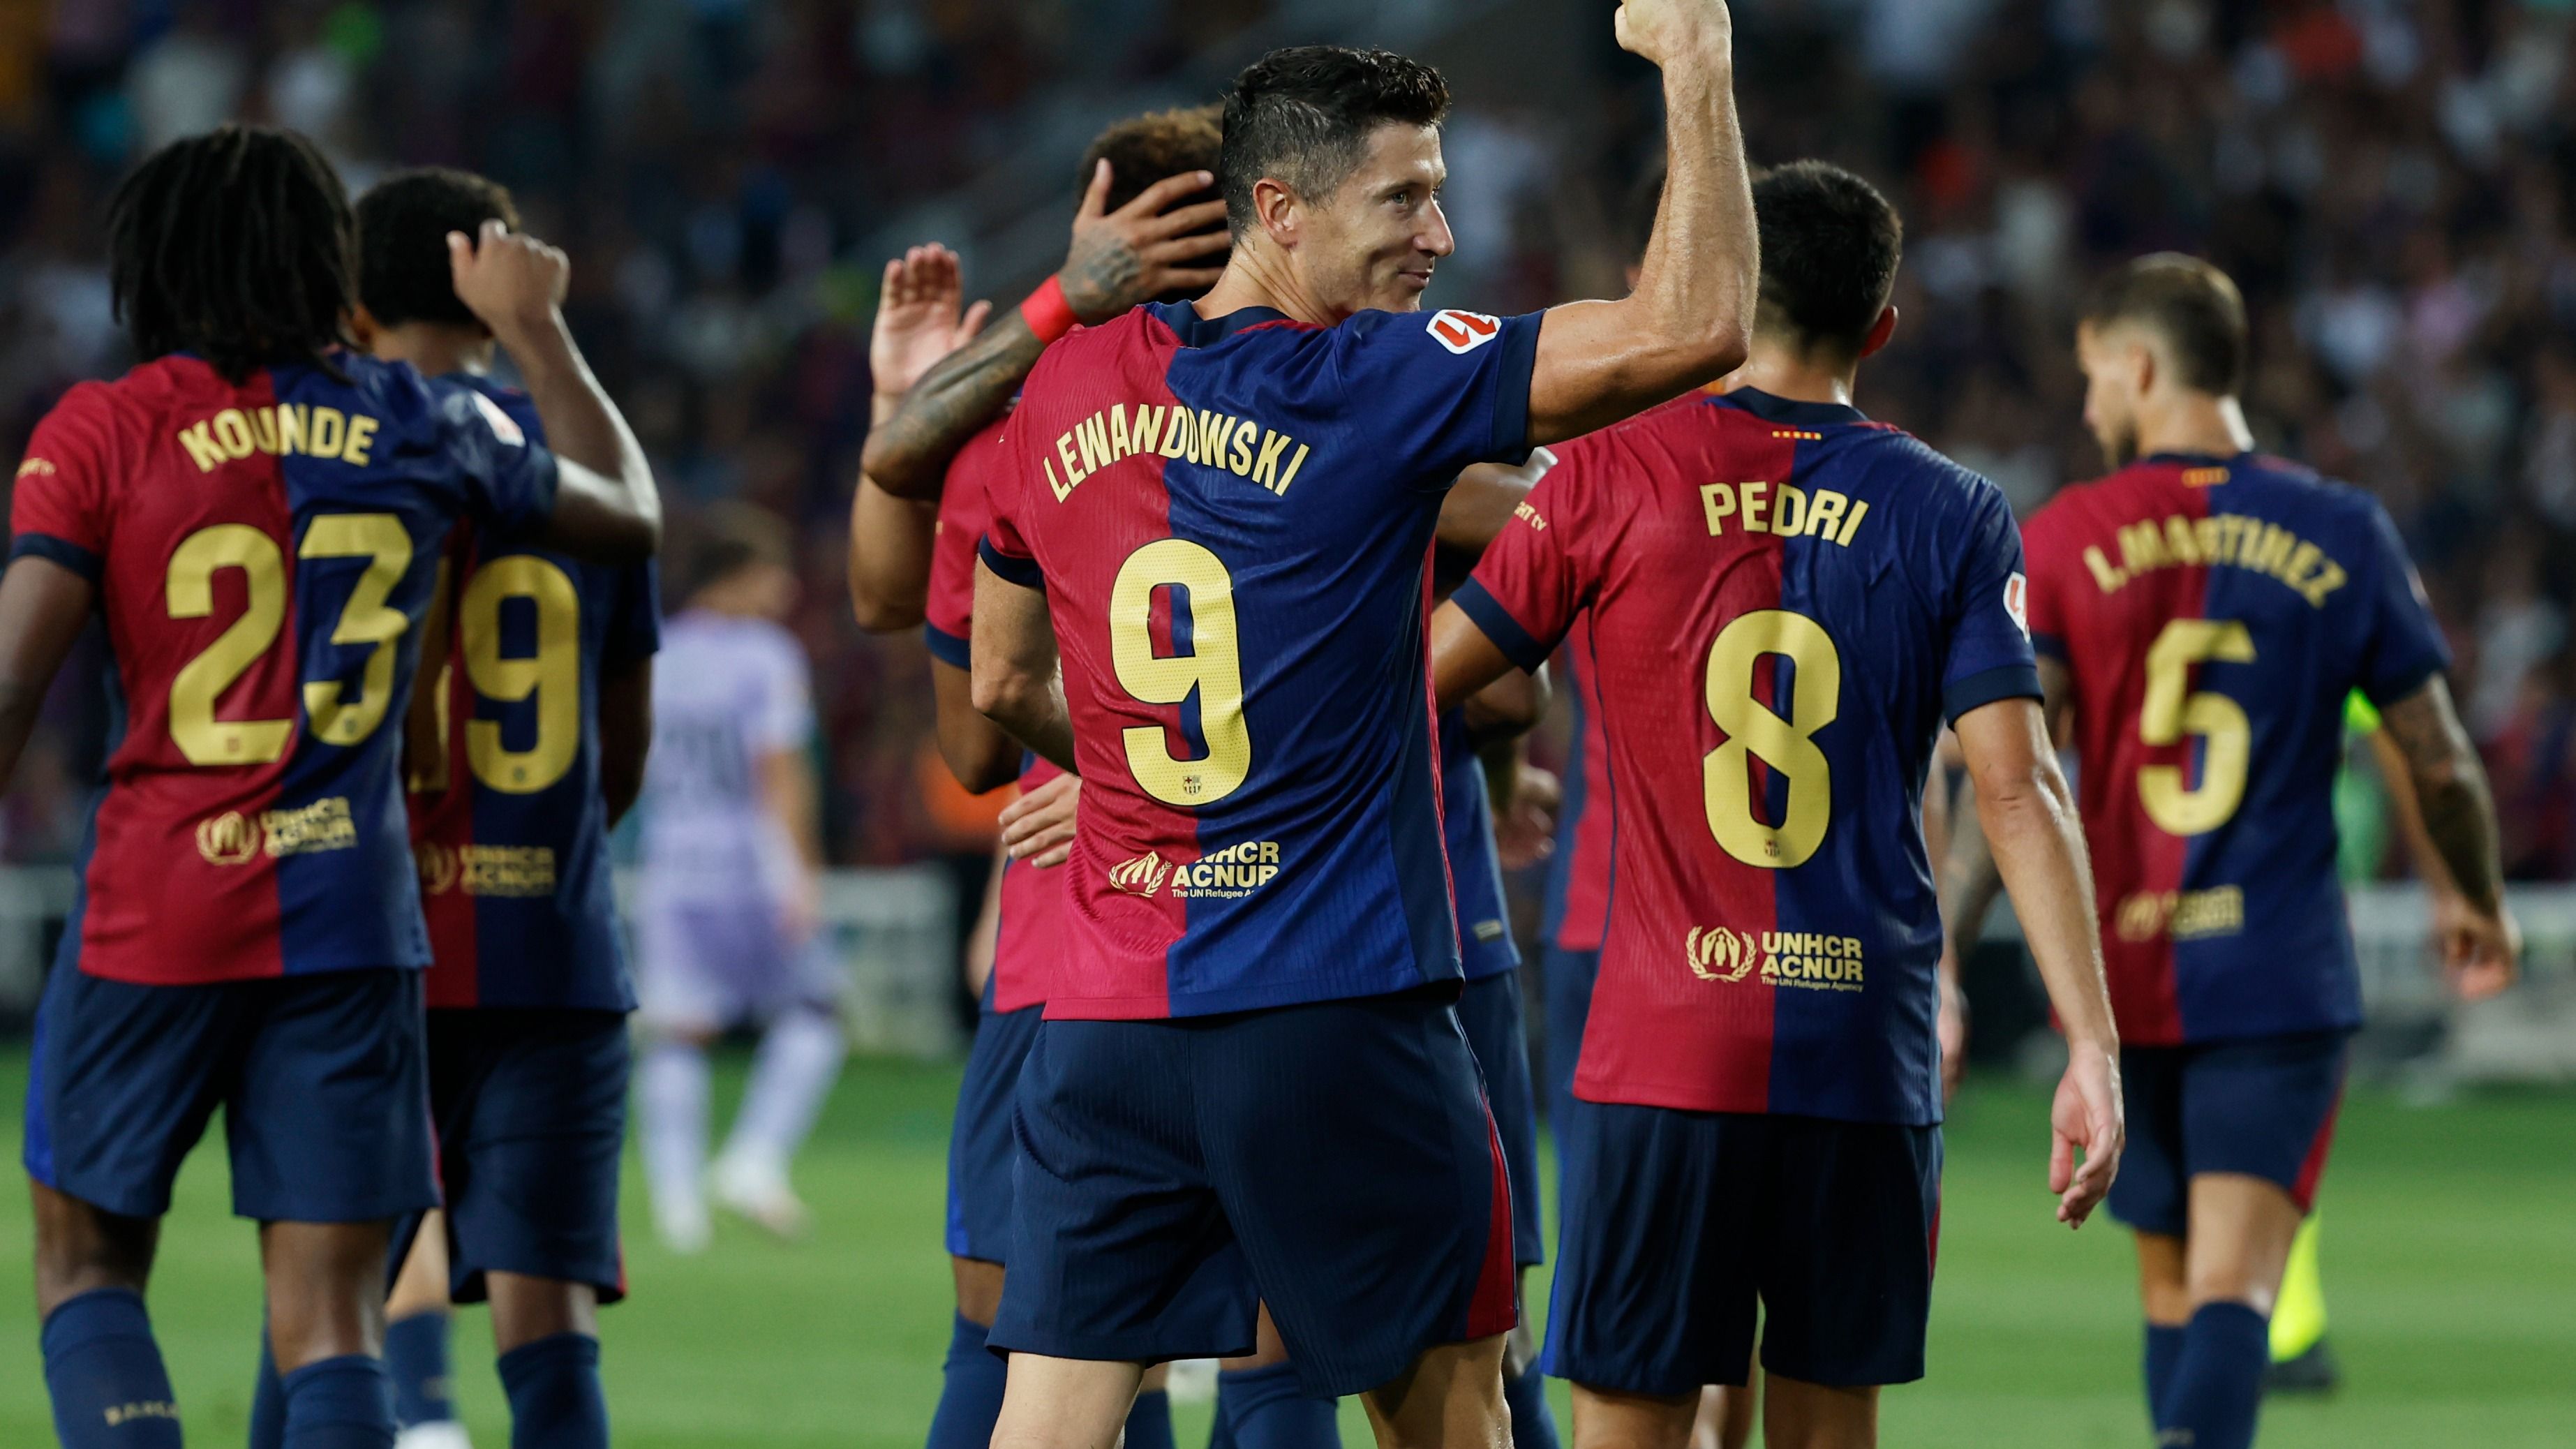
[[635, 615], [2402, 644], [511, 477], [58, 509], [1990, 655], [948, 610], [785, 719], [1003, 546], [2048, 566], [1544, 568], [1446, 388]]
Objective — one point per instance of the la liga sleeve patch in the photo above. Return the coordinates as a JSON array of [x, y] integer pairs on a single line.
[[1464, 332]]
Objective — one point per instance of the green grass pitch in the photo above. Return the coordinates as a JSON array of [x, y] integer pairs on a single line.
[[2450, 1259]]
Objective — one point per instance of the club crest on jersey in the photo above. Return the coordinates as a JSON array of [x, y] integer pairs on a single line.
[[1804, 960], [2017, 602], [1464, 332]]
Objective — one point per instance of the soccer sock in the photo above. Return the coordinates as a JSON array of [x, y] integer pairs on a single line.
[[2164, 1350], [2299, 1314], [416, 1357], [1533, 1423], [1263, 1408], [105, 1375], [2218, 1380], [673, 1096], [1149, 1423], [555, 1401], [799, 1058], [339, 1403], [970, 1391], [267, 1402]]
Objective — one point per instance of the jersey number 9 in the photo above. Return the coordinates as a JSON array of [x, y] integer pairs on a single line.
[[1754, 731], [1198, 589], [2172, 711]]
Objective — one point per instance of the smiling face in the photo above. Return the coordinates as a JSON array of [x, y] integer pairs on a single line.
[[1373, 242]]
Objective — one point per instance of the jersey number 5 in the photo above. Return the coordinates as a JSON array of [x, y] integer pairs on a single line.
[[1755, 732], [189, 593], [2172, 711], [1197, 589]]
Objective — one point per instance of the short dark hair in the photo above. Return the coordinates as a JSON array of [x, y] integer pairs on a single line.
[[731, 536], [403, 222], [2192, 305], [1142, 150], [236, 245], [1304, 114], [1830, 246]]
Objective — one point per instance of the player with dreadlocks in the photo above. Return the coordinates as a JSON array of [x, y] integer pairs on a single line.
[[256, 515]]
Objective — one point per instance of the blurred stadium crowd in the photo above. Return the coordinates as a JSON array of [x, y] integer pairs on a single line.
[[2393, 181]]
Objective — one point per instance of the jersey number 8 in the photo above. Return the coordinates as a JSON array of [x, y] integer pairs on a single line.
[[1754, 731], [1201, 591], [189, 593]]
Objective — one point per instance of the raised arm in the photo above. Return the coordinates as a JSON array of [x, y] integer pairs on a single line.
[[2481, 945], [1690, 319], [1118, 259], [606, 507], [2030, 820], [1016, 680], [918, 322]]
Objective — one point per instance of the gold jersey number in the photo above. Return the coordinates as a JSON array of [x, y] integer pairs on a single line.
[[2173, 712], [1213, 668], [189, 593], [1755, 732], [552, 674]]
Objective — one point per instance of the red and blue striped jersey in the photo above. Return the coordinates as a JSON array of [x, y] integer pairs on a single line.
[[507, 823], [1485, 945], [1578, 874], [264, 553], [2215, 614], [1232, 518], [1785, 599], [1029, 931]]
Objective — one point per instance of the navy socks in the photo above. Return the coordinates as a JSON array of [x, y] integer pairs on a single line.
[[416, 1357], [1149, 1423], [105, 1375], [2217, 1379], [970, 1391], [1263, 1408], [2164, 1350], [555, 1401], [1533, 1423], [339, 1403]]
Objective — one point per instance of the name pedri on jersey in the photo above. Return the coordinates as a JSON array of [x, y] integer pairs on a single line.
[[1785, 599], [264, 554], [1232, 518], [508, 827], [1030, 929], [2216, 614]]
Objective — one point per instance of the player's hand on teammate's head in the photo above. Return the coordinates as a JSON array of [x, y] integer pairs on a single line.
[[1151, 246], [918, 321], [507, 278], [1038, 826], [2087, 1117], [1659, 30], [2481, 951], [1525, 828]]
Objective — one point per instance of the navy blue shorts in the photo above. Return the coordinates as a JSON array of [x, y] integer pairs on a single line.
[[980, 1149], [1678, 1223], [1332, 1160], [1565, 994], [2261, 1106], [322, 1078], [1490, 1010], [531, 1113]]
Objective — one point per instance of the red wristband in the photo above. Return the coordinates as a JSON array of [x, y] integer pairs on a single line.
[[1046, 311]]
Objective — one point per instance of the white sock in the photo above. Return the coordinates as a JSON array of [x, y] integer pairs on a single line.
[[673, 1100], [799, 1059]]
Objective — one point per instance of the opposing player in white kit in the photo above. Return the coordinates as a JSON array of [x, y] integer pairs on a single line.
[[725, 929]]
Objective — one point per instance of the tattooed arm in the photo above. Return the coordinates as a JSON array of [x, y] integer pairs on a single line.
[[2481, 946], [1118, 260]]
